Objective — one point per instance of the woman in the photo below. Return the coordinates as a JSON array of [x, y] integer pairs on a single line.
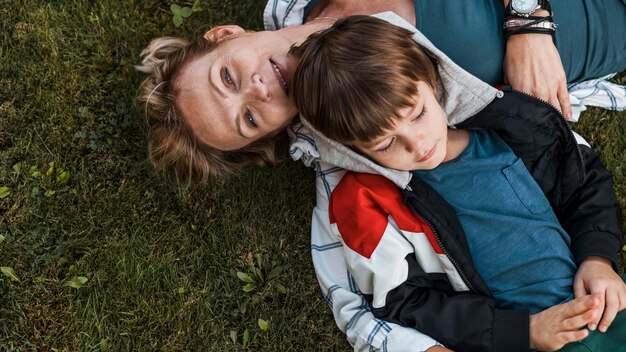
[[214, 111]]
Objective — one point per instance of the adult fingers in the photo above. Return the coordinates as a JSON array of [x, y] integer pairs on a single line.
[[610, 311], [563, 96], [546, 94], [554, 101]]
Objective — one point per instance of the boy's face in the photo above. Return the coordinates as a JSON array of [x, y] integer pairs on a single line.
[[417, 141]]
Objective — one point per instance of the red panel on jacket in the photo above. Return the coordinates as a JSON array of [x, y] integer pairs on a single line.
[[360, 206]]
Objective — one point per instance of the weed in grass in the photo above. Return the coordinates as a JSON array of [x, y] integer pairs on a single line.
[[179, 13], [261, 276], [4, 192], [10, 273], [76, 282]]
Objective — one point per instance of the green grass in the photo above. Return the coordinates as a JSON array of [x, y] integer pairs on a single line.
[[67, 95], [161, 263]]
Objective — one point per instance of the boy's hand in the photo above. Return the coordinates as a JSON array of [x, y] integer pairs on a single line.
[[596, 275], [556, 326]]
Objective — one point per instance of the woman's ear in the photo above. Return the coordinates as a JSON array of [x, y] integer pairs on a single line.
[[220, 33]]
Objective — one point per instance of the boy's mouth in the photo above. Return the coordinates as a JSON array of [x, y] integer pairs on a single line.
[[428, 154]]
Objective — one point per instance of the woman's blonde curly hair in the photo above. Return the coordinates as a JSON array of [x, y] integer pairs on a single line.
[[172, 146]]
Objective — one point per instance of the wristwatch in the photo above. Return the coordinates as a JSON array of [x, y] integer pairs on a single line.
[[525, 8]]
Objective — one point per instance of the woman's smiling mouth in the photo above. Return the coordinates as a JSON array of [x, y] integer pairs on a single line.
[[281, 75]]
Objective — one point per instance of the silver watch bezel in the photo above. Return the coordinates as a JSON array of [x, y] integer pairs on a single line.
[[524, 12]]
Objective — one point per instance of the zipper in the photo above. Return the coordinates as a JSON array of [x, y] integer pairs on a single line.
[[445, 251], [562, 122]]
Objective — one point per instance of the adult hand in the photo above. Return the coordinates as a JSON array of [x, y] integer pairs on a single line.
[[596, 276], [438, 349], [533, 65], [557, 326]]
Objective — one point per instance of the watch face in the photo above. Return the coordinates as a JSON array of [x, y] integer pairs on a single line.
[[524, 6]]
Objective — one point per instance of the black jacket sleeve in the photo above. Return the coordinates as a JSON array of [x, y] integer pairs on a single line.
[[590, 212], [460, 321]]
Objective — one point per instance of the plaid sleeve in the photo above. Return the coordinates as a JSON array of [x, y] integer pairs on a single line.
[[350, 310], [283, 13], [597, 92]]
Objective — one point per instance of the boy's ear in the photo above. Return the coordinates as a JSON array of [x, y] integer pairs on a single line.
[[220, 33]]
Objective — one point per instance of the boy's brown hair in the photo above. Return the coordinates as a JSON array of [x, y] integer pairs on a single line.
[[355, 77]]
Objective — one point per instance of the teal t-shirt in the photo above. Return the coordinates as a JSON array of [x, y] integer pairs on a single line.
[[590, 38], [515, 239]]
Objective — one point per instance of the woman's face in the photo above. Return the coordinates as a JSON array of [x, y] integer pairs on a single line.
[[238, 92]]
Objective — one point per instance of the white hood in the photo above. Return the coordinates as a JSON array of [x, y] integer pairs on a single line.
[[466, 96]]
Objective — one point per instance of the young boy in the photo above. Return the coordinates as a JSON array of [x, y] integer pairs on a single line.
[[528, 222]]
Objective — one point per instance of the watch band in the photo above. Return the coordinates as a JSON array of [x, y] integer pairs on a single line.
[[525, 23], [519, 23]]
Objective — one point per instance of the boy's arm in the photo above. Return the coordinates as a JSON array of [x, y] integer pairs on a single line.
[[591, 214], [350, 310], [549, 330], [592, 217], [462, 321], [407, 281]]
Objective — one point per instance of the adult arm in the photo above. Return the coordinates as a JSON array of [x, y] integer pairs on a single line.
[[350, 310], [533, 65]]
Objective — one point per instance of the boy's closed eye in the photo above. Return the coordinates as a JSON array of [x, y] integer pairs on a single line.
[[391, 142], [387, 146], [420, 115]]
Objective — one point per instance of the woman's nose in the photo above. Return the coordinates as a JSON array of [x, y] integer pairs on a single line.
[[258, 88]]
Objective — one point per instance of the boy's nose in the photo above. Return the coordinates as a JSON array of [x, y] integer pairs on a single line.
[[412, 145]]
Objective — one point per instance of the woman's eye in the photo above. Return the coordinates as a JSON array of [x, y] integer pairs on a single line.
[[228, 78], [250, 119]]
